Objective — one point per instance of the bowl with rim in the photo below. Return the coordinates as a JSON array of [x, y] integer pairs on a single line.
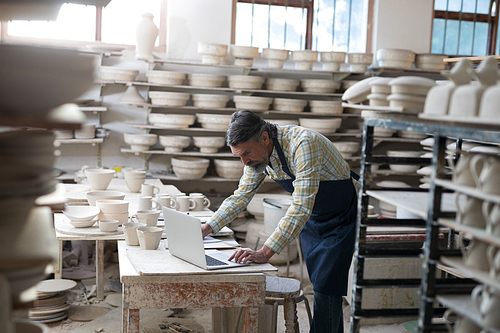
[[112, 206], [108, 225], [81, 213], [174, 143], [92, 196], [140, 142], [99, 179], [209, 144], [84, 224]]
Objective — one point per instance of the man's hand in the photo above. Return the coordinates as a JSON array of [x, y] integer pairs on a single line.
[[261, 256], [206, 229]]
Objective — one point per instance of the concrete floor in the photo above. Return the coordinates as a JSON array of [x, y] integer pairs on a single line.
[[151, 319]]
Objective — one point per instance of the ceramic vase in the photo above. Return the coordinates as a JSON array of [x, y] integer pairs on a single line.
[[146, 33]]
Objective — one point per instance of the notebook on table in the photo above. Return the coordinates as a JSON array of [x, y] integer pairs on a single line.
[[185, 241]]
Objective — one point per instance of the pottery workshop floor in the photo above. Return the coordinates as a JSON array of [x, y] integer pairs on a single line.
[[107, 314]]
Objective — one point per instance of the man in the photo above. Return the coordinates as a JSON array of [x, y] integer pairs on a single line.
[[323, 210]]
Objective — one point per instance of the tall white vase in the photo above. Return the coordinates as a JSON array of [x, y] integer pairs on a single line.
[[146, 34]]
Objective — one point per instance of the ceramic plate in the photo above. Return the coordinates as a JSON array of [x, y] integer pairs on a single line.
[[55, 285], [106, 48]]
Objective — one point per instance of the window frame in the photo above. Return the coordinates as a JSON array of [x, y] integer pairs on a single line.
[[162, 34]]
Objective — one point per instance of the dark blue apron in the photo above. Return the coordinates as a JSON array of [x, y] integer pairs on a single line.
[[328, 236]]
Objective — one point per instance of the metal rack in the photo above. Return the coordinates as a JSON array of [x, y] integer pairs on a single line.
[[438, 289]]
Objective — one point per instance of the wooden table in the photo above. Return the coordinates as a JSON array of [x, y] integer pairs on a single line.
[[163, 281]]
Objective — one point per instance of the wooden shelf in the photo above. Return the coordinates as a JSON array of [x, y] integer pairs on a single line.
[[93, 142], [468, 190], [183, 153], [38, 122], [93, 109], [476, 233], [473, 59], [468, 272], [173, 177]]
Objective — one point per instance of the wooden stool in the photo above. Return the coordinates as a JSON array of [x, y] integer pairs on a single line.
[[286, 292]]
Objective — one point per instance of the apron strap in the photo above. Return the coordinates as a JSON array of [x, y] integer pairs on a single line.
[[281, 155], [354, 175]]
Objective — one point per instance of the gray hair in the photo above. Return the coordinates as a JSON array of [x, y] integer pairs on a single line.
[[247, 126]]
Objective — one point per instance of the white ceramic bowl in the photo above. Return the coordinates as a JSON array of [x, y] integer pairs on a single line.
[[333, 56], [380, 85], [396, 54], [171, 120], [255, 103], [174, 143], [99, 179], [326, 107], [245, 81], [347, 148], [358, 68], [321, 125], [93, 196], [140, 142], [209, 100], [210, 59], [319, 85], [412, 85], [279, 84], [305, 55], [433, 62], [331, 66], [246, 52], [289, 104], [243, 62], [212, 49], [214, 121], [274, 64], [165, 77], [111, 73], [108, 225], [275, 54], [360, 58], [395, 64], [383, 132], [121, 217], [149, 237], [229, 168], [168, 98], [112, 206], [190, 167], [304, 65], [404, 168], [206, 80], [84, 224], [209, 144], [81, 213]]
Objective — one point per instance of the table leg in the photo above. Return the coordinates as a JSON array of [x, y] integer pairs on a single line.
[[291, 320], [133, 316], [99, 269], [252, 320], [58, 263]]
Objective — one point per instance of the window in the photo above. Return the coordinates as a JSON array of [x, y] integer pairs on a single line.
[[465, 27], [323, 25], [80, 24]]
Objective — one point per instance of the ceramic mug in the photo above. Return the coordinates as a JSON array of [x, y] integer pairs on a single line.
[[148, 217], [130, 232], [491, 213], [149, 237], [185, 203], [147, 202], [474, 255], [149, 190], [166, 200], [461, 171], [486, 173], [469, 211], [201, 200], [487, 302], [461, 324]]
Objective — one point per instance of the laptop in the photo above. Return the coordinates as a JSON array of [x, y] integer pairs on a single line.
[[185, 241]]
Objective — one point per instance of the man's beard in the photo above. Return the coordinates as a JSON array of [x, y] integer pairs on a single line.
[[259, 167]]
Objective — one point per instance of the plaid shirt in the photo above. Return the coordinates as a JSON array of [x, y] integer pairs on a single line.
[[312, 158]]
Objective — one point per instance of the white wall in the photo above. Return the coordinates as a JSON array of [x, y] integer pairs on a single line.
[[403, 24], [193, 21]]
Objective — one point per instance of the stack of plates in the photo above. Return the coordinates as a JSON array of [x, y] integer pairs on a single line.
[[51, 304]]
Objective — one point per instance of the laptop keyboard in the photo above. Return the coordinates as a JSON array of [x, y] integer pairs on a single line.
[[214, 262]]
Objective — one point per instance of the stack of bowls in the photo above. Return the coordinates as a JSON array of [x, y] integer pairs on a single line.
[[245, 81], [387, 209], [140, 142], [305, 59], [326, 107], [332, 60], [210, 101], [404, 168], [214, 121], [380, 90], [113, 210], [87, 131], [325, 126], [209, 144], [347, 148], [359, 62], [111, 73], [254, 103], [93, 196], [244, 55], [166, 77], [211, 54], [430, 62], [168, 98], [289, 104], [275, 57], [134, 179], [81, 216], [190, 167], [395, 58], [409, 92], [171, 120], [174, 143], [99, 179], [206, 80], [278, 84], [229, 168], [319, 86]]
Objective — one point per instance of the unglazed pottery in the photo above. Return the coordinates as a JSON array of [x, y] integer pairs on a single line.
[[146, 33], [99, 179], [229, 168], [190, 167]]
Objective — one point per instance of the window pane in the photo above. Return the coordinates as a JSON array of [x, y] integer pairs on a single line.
[[276, 36], [469, 6], [440, 4], [323, 30], [455, 5], [480, 39], [466, 35], [451, 38], [243, 24], [74, 22], [260, 25], [120, 18], [359, 14], [295, 28], [438, 36], [483, 6]]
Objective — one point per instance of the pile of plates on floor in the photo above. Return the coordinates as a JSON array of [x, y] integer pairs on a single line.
[[51, 304]]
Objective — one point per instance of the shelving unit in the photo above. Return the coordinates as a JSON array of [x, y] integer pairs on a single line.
[[436, 210]]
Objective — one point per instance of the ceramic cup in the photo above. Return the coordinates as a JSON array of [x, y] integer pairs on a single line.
[[130, 232], [474, 255], [491, 213], [486, 173], [148, 217], [149, 189], [149, 237], [201, 200], [487, 302], [108, 225], [469, 211], [147, 202], [166, 200], [461, 170], [133, 184], [493, 256], [185, 203], [461, 324]]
